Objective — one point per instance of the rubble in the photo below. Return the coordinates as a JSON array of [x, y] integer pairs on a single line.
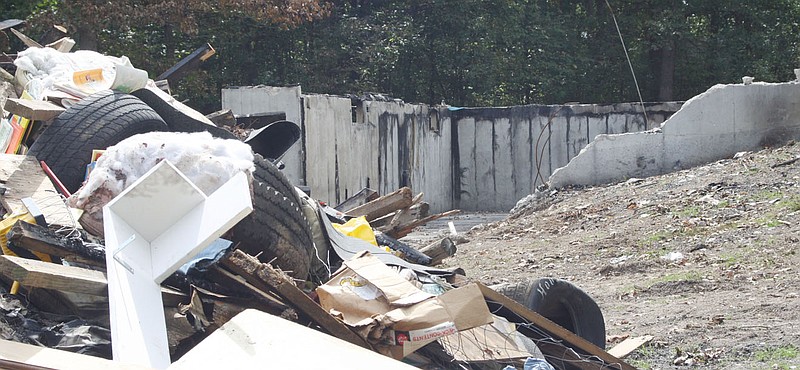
[[153, 201]]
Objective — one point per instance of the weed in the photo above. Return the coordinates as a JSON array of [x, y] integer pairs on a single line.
[[777, 354], [792, 204], [681, 276], [689, 212]]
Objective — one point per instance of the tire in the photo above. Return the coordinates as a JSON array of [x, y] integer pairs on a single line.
[[277, 230], [96, 122], [562, 303]]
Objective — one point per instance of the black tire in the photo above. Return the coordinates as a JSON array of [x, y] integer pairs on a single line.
[[96, 122], [562, 303], [277, 230]]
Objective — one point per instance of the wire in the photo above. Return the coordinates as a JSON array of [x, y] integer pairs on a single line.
[[625, 49]]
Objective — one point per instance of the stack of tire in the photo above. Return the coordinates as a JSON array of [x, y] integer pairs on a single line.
[[276, 231]]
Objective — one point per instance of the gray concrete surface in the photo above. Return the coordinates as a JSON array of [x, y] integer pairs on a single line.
[[474, 159], [714, 125]]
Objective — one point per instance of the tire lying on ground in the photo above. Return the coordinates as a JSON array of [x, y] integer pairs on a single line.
[[96, 122], [277, 229], [562, 303]]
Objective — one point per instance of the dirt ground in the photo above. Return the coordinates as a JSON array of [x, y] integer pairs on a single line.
[[703, 259]]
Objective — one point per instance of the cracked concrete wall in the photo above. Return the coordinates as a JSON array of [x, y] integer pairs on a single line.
[[714, 125], [474, 159], [504, 153]]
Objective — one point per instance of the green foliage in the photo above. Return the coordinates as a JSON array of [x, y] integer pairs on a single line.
[[467, 52]]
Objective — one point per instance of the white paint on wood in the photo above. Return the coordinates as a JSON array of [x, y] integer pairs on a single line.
[[151, 229]]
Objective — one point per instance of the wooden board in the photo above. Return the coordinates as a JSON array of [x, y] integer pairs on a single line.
[[34, 110], [553, 340], [39, 274], [384, 205], [23, 178], [16, 355], [35, 273], [265, 277], [629, 345]]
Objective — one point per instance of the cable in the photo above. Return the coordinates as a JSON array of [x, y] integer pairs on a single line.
[[625, 49]]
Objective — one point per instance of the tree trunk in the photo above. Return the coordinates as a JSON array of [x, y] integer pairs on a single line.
[[667, 72], [87, 38]]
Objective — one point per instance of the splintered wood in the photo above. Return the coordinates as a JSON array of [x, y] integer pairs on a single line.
[[266, 278], [396, 214]]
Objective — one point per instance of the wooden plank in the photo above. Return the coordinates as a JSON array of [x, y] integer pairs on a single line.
[[403, 230], [37, 357], [265, 277], [29, 42], [629, 345], [222, 118], [40, 274], [23, 178], [439, 250], [415, 212], [35, 110], [188, 64], [552, 338], [384, 205], [363, 196]]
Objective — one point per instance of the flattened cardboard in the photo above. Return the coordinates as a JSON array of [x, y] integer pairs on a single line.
[[383, 307]]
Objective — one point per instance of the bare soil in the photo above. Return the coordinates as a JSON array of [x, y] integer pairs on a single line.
[[703, 259]]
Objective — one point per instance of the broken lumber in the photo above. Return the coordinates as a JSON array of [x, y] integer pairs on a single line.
[[37, 238], [408, 253], [222, 118], [186, 65], [563, 348], [629, 345], [34, 110], [384, 205], [439, 250], [29, 42], [23, 177], [40, 274], [265, 277], [403, 230], [415, 212], [363, 196]]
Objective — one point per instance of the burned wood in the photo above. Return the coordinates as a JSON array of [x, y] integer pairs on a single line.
[[409, 253], [266, 278], [439, 250], [41, 239], [186, 65], [384, 205]]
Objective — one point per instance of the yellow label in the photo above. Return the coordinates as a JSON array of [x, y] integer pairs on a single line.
[[87, 76]]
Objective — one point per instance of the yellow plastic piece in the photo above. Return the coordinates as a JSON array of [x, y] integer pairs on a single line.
[[358, 228]]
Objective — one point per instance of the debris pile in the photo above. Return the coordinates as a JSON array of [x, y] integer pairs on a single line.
[[180, 231]]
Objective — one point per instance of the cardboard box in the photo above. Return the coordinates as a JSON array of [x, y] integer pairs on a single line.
[[392, 313]]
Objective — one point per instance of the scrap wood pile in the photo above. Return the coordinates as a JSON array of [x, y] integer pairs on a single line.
[[178, 232]]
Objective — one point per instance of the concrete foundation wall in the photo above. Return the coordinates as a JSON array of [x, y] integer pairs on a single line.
[[714, 125], [505, 153], [476, 159], [254, 100]]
